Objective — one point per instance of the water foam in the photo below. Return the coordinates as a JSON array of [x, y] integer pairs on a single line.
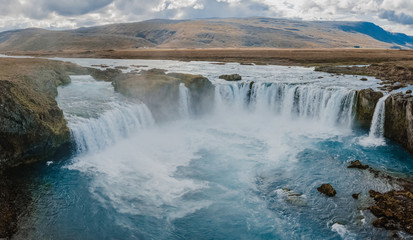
[[94, 134]]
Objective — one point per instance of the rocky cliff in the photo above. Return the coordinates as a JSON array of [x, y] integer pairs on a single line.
[[160, 91], [32, 125], [398, 124], [365, 103]]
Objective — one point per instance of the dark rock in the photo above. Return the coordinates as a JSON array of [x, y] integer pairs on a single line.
[[357, 164], [398, 124], [365, 104], [397, 86], [409, 91], [231, 77], [394, 210], [355, 195], [327, 189], [121, 67], [363, 79]]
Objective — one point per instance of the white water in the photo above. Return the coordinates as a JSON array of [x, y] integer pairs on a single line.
[[221, 172], [93, 134], [184, 101], [376, 134], [97, 116], [331, 106]]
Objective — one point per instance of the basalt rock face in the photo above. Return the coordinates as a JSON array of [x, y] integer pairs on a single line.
[[398, 124], [32, 125], [160, 91], [365, 105]]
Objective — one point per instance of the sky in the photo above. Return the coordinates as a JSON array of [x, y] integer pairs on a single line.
[[392, 15]]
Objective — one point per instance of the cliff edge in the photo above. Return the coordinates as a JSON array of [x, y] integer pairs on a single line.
[[32, 126]]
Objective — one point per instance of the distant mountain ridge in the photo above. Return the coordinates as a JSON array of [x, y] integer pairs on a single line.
[[208, 33]]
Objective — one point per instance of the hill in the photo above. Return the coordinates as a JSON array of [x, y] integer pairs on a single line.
[[208, 33]]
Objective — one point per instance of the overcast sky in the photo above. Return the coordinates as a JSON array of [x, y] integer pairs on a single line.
[[393, 15]]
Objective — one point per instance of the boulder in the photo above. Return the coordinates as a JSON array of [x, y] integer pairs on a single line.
[[357, 164], [231, 77], [327, 189]]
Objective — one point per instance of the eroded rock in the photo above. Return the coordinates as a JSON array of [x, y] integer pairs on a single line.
[[394, 210]]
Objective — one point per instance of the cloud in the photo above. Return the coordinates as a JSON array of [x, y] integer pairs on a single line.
[[81, 13], [397, 17], [74, 7]]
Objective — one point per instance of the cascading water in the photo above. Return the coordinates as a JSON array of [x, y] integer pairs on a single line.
[[97, 116], [329, 105], [248, 170], [376, 134], [377, 123], [93, 134], [184, 101]]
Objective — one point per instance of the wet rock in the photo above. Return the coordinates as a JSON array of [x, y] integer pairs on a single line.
[[121, 67], [398, 123], [409, 91], [294, 198], [104, 75], [100, 65], [355, 195], [231, 77], [327, 189], [397, 86], [363, 79], [394, 210], [365, 104], [357, 164]]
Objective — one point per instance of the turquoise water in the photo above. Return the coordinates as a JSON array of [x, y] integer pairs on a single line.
[[247, 170]]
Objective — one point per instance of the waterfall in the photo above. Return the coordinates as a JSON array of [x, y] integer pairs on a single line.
[[184, 101], [333, 105], [93, 134], [377, 123]]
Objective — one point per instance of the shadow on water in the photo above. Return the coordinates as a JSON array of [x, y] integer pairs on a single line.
[[16, 190]]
